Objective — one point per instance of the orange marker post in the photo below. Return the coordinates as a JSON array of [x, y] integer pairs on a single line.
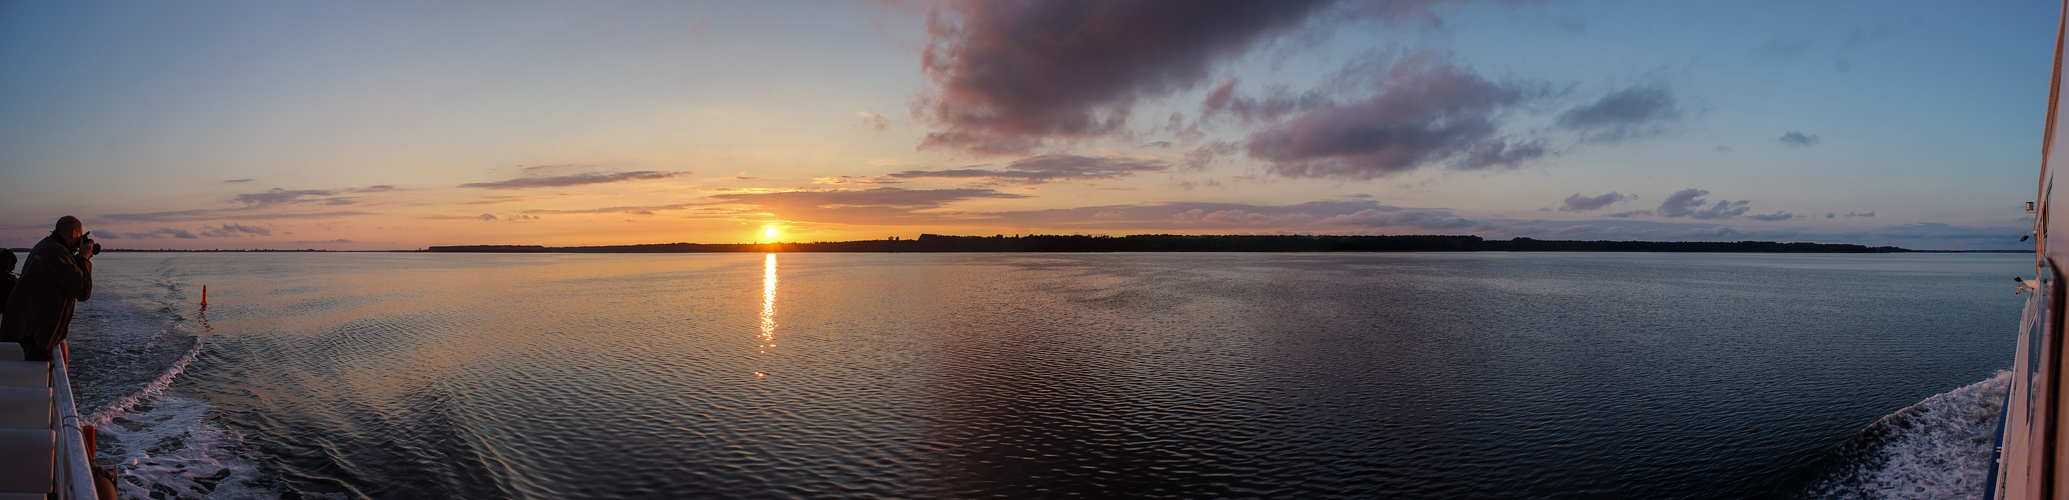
[[204, 295]]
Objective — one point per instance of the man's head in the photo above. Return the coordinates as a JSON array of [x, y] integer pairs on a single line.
[[69, 229]]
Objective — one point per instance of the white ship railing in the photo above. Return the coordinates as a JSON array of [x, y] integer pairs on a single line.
[[74, 468]]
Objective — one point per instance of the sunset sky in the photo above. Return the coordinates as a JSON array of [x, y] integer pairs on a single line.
[[400, 125]]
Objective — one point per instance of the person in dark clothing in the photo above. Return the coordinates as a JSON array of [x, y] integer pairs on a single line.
[[57, 273], [7, 277]]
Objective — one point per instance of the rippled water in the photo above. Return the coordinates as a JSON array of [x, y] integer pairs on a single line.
[[1032, 375]]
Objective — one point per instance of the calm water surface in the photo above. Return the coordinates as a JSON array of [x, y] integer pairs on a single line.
[[1022, 375]]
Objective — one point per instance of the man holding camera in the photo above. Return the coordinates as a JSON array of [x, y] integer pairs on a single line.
[[57, 273]]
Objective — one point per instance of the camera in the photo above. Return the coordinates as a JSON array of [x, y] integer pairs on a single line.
[[85, 242]]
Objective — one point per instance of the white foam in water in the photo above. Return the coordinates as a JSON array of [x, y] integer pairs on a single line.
[[1936, 449], [167, 445], [155, 388]]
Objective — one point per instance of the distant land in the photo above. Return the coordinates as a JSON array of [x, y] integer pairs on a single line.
[[1184, 243]]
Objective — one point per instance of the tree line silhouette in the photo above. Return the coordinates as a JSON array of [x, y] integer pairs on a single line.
[[1189, 243]]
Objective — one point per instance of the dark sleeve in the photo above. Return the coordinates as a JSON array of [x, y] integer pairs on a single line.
[[72, 275]]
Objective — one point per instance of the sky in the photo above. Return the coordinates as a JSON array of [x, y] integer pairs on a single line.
[[402, 125]]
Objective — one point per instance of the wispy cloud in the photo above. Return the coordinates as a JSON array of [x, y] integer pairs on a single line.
[[1799, 139], [235, 230], [1633, 112], [873, 120], [648, 209], [163, 232], [1779, 48], [278, 196], [1276, 103], [1048, 168], [575, 179], [854, 179], [210, 215]]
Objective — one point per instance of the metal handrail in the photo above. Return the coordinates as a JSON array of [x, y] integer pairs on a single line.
[[74, 468]]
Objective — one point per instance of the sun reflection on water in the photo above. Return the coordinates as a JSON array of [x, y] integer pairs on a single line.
[[768, 338]]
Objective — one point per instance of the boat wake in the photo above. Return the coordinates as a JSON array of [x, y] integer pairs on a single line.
[[129, 348], [1936, 449], [165, 447]]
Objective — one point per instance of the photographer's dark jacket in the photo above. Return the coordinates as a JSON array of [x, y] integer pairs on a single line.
[[39, 312]]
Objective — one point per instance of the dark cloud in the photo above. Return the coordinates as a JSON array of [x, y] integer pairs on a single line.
[[1724, 209], [1275, 104], [1008, 76], [1634, 112], [1578, 203], [1497, 153], [486, 217], [1423, 112], [1829, 215], [1778, 215], [1682, 203], [1795, 138], [161, 233], [1690, 203], [1158, 144], [235, 230], [575, 179], [231, 181], [1859, 214], [1776, 47], [1048, 168]]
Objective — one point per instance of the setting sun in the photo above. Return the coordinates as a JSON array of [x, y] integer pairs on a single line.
[[769, 232]]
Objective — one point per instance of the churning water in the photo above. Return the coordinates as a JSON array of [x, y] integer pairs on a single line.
[[1046, 375]]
